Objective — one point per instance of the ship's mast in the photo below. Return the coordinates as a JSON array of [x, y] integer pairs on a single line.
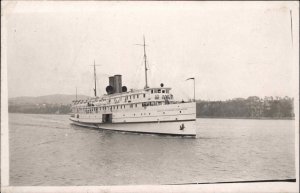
[[145, 60], [95, 89]]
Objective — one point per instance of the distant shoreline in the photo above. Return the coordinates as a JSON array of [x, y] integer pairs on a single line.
[[202, 117]]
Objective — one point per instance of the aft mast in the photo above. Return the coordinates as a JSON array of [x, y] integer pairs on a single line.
[[145, 60]]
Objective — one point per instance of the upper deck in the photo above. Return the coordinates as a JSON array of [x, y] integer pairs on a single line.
[[154, 94]]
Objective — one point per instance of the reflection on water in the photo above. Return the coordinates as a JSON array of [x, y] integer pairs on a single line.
[[47, 150]]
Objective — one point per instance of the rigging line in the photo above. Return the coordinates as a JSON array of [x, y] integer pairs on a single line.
[[136, 78], [95, 78]]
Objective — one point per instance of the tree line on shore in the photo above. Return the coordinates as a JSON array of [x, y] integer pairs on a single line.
[[252, 107]]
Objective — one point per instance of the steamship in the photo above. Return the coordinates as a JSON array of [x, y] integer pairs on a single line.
[[151, 110]]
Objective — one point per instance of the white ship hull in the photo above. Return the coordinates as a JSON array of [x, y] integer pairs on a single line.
[[172, 119], [178, 128]]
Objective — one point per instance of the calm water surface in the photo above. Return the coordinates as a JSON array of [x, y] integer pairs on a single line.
[[47, 150]]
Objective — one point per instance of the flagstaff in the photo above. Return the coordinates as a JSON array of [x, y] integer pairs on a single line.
[[194, 87]]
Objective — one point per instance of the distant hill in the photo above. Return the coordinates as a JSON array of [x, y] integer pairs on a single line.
[[47, 99]]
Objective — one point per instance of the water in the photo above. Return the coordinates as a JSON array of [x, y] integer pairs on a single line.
[[47, 150]]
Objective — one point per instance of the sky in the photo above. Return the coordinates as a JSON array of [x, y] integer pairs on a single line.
[[233, 49]]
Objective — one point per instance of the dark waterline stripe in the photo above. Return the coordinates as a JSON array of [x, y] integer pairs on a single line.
[[164, 134]]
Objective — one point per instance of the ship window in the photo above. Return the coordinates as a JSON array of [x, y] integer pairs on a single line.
[[133, 96], [131, 106], [151, 91], [179, 111], [144, 95], [134, 114], [158, 90], [135, 105], [137, 96], [130, 97], [163, 91], [167, 91]]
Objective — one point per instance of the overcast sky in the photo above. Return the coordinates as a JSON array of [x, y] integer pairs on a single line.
[[233, 49]]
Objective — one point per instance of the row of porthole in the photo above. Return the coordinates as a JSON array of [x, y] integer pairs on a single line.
[[144, 114], [149, 113]]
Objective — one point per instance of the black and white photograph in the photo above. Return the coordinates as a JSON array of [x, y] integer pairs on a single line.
[[149, 96]]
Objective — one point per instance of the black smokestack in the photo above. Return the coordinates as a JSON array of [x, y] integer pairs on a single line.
[[118, 83], [110, 89]]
